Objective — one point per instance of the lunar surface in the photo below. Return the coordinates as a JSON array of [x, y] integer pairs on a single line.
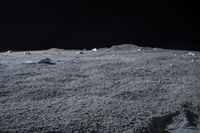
[[122, 89]]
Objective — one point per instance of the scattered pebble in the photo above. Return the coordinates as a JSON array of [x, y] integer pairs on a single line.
[[46, 61], [80, 52], [140, 50], [192, 60], [27, 53], [175, 55], [155, 48], [94, 49], [171, 65], [192, 54]]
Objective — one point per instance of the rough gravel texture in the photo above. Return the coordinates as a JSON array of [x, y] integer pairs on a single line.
[[114, 90]]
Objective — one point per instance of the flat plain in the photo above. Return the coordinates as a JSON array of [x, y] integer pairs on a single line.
[[122, 89]]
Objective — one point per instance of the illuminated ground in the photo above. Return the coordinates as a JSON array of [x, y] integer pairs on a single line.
[[120, 89]]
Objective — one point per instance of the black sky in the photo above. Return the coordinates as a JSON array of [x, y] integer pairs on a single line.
[[76, 24]]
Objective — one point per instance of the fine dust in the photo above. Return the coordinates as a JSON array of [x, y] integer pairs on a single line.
[[81, 91]]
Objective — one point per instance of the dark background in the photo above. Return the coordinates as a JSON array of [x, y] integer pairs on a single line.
[[76, 24]]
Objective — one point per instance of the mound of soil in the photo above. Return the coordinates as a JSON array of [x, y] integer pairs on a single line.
[[124, 47]]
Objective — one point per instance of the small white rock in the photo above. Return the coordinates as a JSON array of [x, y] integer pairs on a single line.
[[171, 65], [30, 62], [139, 49], [9, 51], [192, 60], [27, 53], [192, 54], [79, 52], [94, 49]]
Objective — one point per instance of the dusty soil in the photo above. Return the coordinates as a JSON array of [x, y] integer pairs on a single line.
[[113, 90]]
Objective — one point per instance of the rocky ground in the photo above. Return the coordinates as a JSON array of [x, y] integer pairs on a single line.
[[122, 89]]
